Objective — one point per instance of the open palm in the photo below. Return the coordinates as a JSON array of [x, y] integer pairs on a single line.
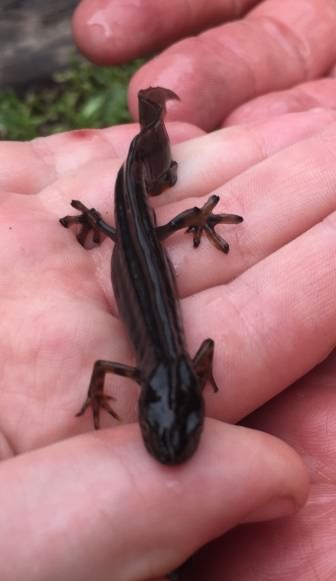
[[269, 305]]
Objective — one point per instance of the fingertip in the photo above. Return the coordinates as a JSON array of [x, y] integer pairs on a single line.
[[86, 37], [93, 33], [113, 32]]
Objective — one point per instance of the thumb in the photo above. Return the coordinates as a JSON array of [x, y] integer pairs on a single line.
[[99, 507]]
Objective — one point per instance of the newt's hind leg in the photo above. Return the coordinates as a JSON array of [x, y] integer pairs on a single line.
[[203, 363], [90, 221], [96, 398], [199, 221], [167, 180]]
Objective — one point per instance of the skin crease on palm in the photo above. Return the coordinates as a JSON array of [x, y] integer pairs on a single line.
[[269, 305]]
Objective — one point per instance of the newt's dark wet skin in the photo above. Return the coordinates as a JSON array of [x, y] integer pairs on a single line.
[[171, 404]]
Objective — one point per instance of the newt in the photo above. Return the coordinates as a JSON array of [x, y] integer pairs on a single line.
[[171, 404]]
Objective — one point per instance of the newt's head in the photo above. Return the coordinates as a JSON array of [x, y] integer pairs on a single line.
[[171, 412]]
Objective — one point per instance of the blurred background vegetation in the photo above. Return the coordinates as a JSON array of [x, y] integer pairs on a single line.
[[82, 95]]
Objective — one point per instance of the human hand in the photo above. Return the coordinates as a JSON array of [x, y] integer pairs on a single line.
[[96, 504], [294, 187], [278, 50]]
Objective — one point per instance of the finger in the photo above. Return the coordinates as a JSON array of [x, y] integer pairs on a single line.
[[27, 167], [208, 162], [200, 160], [222, 68], [31, 166], [303, 97], [101, 503], [304, 416], [112, 32]]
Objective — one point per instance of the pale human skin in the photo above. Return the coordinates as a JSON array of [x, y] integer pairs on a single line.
[[78, 504], [278, 58]]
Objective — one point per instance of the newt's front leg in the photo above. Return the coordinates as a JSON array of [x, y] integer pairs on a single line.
[[199, 221], [90, 221]]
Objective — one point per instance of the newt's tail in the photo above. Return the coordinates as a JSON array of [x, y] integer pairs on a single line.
[[152, 104]]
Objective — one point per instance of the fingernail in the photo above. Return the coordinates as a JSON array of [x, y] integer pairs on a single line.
[[274, 508]]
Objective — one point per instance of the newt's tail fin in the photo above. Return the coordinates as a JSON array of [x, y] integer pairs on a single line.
[[152, 104]]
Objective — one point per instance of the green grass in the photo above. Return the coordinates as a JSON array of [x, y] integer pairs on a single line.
[[83, 95]]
